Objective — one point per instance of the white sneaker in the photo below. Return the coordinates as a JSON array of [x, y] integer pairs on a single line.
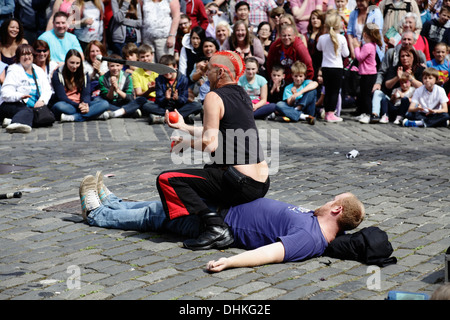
[[104, 116], [365, 119], [67, 117], [6, 122], [18, 128], [88, 195], [357, 118], [398, 120], [384, 119]]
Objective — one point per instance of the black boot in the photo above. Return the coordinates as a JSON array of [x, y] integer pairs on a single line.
[[216, 235]]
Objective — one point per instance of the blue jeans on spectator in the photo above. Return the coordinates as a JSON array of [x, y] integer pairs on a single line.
[[264, 111], [307, 101], [377, 98], [151, 107], [141, 216], [96, 108], [388, 108], [432, 120], [129, 108]]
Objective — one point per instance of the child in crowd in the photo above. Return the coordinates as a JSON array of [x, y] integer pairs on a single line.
[[130, 53], [144, 80], [367, 68], [276, 84], [256, 87], [428, 106], [400, 100], [299, 98], [334, 47], [116, 87], [440, 63], [172, 93], [344, 12]]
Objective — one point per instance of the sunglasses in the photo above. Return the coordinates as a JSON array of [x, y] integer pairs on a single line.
[[41, 50]]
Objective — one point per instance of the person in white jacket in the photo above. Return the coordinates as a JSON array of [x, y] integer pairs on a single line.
[[26, 86]]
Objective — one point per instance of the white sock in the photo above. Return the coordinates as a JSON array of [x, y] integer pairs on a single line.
[[303, 116], [420, 123], [118, 113]]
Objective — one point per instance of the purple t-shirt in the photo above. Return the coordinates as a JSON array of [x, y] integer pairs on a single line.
[[265, 221]]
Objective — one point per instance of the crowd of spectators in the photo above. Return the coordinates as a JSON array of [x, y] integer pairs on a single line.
[[305, 59]]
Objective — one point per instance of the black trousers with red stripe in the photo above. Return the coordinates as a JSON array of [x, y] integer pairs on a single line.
[[188, 191]]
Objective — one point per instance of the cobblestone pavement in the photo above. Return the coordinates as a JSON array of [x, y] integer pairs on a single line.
[[47, 252]]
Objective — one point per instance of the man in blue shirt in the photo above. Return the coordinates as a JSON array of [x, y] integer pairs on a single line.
[[272, 231], [59, 40]]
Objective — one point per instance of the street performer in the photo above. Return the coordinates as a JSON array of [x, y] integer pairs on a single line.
[[238, 172]]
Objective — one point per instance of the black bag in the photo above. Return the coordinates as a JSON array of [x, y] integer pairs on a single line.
[[370, 246], [43, 116]]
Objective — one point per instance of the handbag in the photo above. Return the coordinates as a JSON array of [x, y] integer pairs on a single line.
[[43, 116]]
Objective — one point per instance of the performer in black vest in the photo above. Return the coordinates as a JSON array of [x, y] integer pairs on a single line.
[[237, 173]]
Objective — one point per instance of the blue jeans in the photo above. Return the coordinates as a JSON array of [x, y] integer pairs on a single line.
[[432, 120], [307, 101], [96, 108], [129, 108], [189, 108], [114, 213], [377, 98], [264, 111]]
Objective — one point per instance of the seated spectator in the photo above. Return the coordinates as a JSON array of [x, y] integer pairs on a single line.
[[256, 87], [299, 98], [172, 93], [93, 67], [286, 50], [116, 87], [190, 50], [144, 80], [130, 53], [72, 89], [223, 32], [429, 104], [42, 59], [263, 33], [397, 106], [394, 11], [125, 24], [90, 25], [408, 63], [25, 87], [245, 43], [440, 63], [59, 40], [435, 29], [11, 36]]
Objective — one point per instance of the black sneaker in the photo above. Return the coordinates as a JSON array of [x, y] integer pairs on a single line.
[[374, 119]]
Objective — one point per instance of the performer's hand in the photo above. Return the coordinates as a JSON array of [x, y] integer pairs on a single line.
[[177, 125], [217, 266]]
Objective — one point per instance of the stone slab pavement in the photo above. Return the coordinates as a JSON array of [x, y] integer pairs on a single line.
[[48, 253]]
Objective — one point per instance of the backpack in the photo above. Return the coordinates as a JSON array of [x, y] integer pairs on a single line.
[[369, 246]]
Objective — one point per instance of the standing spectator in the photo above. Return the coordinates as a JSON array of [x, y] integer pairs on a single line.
[[334, 47], [59, 40], [259, 11], [288, 19], [6, 9], [11, 36], [160, 24], [315, 29], [90, 25], [33, 16], [245, 43], [264, 31], [286, 50], [195, 9], [435, 29], [440, 63], [25, 87], [242, 12], [125, 25], [362, 15], [301, 10], [212, 10], [367, 68], [61, 5], [409, 23], [72, 89]]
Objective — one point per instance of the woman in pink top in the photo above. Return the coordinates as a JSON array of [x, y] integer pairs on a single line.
[[367, 69]]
